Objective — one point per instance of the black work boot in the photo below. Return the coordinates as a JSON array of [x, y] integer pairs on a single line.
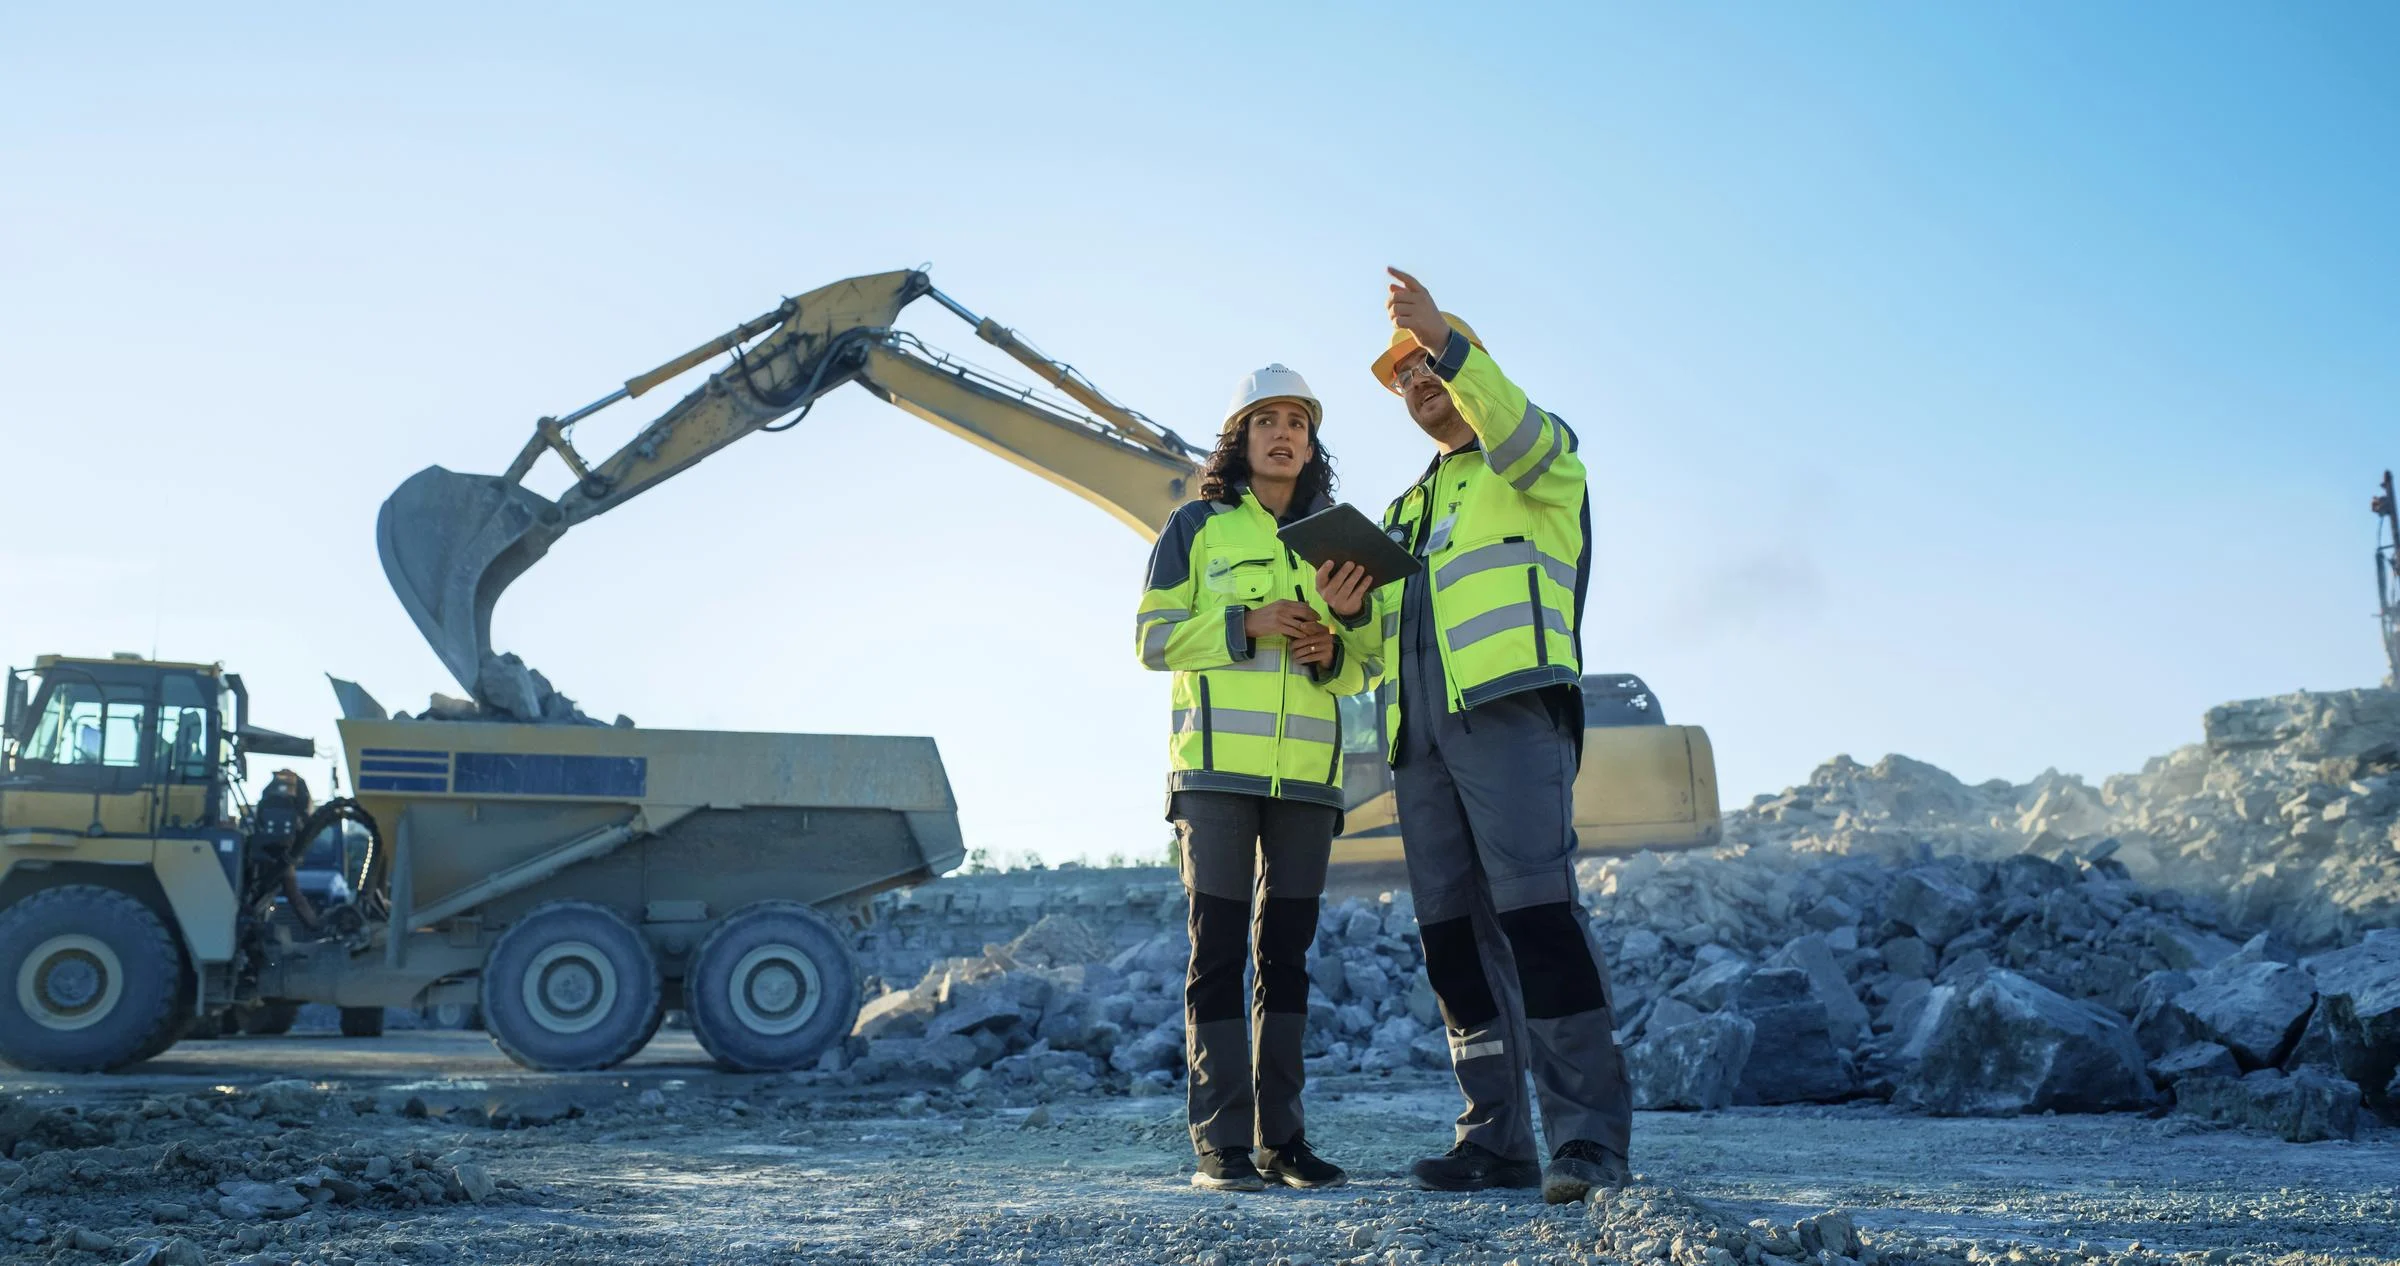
[[1474, 1167], [1228, 1169], [1577, 1167], [1295, 1165]]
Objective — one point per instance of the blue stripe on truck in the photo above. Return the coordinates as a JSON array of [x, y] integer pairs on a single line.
[[402, 753], [389, 782], [506, 774], [440, 768]]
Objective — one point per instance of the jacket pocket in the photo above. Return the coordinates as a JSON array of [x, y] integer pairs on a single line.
[[1232, 578]]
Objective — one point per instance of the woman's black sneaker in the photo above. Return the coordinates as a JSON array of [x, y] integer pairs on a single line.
[[1474, 1167], [1228, 1169], [1295, 1165], [1577, 1167]]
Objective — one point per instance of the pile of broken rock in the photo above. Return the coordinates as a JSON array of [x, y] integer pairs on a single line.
[[1057, 1008], [1948, 986], [2215, 934], [2287, 811], [1978, 988]]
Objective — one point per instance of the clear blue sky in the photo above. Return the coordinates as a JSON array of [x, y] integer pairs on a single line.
[[1998, 384]]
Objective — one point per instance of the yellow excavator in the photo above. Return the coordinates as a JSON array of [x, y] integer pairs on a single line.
[[452, 543]]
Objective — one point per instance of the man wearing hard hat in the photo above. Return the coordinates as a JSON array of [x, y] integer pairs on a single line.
[[1486, 726]]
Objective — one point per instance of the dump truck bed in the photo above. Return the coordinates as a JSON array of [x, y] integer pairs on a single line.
[[504, 816]]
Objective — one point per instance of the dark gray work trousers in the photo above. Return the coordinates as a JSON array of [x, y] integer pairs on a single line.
[[1486, 800], [1246, 1071]]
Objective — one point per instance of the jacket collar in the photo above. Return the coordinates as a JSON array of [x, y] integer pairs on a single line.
[[1315, 503]]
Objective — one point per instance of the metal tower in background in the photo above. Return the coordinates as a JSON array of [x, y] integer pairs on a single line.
[[2387, 576]]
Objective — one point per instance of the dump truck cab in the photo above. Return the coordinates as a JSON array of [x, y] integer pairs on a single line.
[[122, 847]]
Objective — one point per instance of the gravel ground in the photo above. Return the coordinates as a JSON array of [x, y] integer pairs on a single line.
[[427, 1147]]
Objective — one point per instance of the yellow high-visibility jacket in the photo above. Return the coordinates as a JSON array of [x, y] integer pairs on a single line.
[[1246, 719], [1504, 527]]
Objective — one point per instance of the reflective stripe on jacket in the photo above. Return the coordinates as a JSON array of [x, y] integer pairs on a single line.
[[1504, 527], [1245, 718]]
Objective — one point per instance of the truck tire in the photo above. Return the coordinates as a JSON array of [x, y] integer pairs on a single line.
[[268, 1019], [571, 986], [90, 980], [771, 988], [168, 1035], [362, 1022]]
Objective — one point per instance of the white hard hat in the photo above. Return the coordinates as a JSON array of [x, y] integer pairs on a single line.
[[1272, 383]]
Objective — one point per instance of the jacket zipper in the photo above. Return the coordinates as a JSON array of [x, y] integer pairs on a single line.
[[1283, 679], [1208, 729], [1433, 598], [1541, 643], [1333, 768]]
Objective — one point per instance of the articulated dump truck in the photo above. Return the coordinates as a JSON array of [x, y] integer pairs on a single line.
[[573, 881]]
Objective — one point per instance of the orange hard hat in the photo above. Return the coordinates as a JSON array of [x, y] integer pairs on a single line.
[[1404, 342]]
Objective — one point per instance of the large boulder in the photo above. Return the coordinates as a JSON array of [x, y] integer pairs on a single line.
[[1001, 1003], [1907, 957], [1712, 988], [1999, 1045], [2253, 1009], [2359, 988], [2200, 1059], [2032, 876], [2185, 948], [1932, 904], [1668, 1013], [2303, 1107], [1692, 1065], [1845, 1016], [2158, 1024], [2315, 1045], [902, 1013], [1792, 1055]]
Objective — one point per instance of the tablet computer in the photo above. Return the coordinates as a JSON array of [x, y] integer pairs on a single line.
[[1343, 535]]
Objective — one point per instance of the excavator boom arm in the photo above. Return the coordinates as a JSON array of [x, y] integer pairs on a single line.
[[451, 543]]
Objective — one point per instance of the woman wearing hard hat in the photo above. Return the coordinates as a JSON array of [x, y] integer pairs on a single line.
[[1255, 760]]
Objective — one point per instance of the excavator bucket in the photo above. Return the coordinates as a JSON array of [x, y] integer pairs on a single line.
[[451, 544]]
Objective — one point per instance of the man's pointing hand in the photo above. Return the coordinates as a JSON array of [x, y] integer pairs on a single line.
[[1413, 310]]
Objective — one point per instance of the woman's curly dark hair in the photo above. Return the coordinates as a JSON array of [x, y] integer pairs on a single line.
[[1227, 470]]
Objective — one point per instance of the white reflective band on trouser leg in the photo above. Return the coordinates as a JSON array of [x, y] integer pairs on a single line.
[[1476, 1050]]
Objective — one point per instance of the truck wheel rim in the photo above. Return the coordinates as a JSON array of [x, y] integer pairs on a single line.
[[775, 989], [570, 986], [71, 981]]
